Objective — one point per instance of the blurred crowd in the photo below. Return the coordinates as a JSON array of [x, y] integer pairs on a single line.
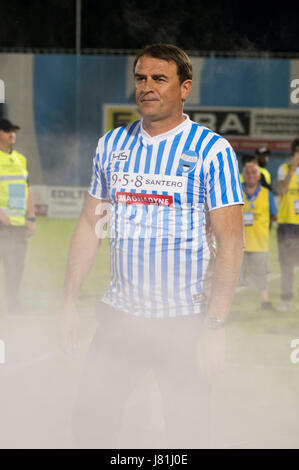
[[260, 211]]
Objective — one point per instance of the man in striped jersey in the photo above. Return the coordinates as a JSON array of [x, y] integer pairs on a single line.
[[171, 188]]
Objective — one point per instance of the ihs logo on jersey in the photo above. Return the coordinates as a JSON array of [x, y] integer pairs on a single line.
[[251, 206], [119, 156], [188, 161]]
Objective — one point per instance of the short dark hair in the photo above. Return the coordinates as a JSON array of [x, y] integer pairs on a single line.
[[295, 144], [248, 158], [168, 52]]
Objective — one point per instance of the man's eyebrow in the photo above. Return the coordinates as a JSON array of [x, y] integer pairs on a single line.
[[159, 75], [156, 75]]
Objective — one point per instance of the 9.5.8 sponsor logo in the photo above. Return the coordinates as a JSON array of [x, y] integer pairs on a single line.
[[125, 179]]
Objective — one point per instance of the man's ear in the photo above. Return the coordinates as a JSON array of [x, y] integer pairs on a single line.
[[186, 87]]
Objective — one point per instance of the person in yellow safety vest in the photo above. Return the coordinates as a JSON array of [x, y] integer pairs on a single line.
[[262, 155], [259, 210], [265, 178], [288, 225], [17, 219]]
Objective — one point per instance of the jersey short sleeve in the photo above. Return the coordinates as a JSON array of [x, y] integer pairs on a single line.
[[98, 184], [281, 174], [222, 177]]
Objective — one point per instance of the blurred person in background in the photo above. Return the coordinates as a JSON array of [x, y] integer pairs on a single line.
[[17, 219], [262, 155], [288, 225], [259, 210], [265, 175]]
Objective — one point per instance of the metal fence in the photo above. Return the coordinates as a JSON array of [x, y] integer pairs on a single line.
[[92, 51]]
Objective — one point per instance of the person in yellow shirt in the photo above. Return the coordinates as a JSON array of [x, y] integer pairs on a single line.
[[17, 219], [288, 225], [261, 157], [259, 210]]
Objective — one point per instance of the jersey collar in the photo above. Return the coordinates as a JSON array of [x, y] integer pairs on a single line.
[[167, 134], [252, 197]]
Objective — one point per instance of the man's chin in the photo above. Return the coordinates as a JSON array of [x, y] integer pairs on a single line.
[[148, 109]]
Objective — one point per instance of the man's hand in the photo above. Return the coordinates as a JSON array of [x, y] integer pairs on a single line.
[[283, 185], [31, 228], [68, 327], [211, 353], [294, 162], [4, 219]]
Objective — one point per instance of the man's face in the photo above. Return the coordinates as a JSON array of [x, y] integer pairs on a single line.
[[263, 159], [251, 174], [7, 139], [296, 154], [159, 94]]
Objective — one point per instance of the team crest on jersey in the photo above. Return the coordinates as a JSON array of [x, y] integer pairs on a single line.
[[188, 161]]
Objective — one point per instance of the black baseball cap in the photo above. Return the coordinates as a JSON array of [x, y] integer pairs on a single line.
[[7, 126]]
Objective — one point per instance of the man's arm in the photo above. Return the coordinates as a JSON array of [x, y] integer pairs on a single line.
[[283, 185], [30, 224], [4, 219], [83, 249], [227, 225], [272, 208]]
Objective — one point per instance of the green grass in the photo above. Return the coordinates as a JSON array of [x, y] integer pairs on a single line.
[[45, 271], [45, 268], [259, 383]]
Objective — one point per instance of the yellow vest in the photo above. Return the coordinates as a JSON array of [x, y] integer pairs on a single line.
[[266, 174], [13, 186], [256, 216], [288, 212]]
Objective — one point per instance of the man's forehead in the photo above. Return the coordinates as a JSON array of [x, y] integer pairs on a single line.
[[153, 65], [251, 167]]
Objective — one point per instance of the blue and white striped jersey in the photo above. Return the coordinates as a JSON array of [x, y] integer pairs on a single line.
[[161, 190]]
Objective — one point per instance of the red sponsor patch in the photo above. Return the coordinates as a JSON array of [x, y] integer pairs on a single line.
[[140, 198]]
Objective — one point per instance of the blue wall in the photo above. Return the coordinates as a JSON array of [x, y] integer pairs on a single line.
[[70, 91]]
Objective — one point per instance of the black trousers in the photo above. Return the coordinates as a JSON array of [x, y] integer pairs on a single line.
[[124, 349], [13, 244], [288, 247]]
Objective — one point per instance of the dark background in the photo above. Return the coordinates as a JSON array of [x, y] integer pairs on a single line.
[[194, 25]]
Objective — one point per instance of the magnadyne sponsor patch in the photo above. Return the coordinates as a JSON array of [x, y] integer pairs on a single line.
[[147, 199]]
